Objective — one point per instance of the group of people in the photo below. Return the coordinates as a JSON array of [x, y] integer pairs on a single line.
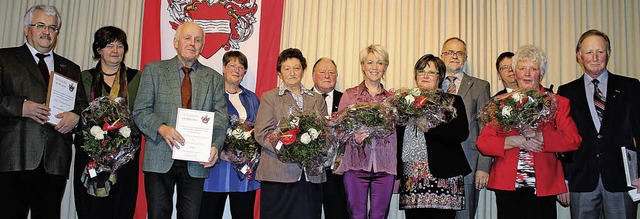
[[574, 158]]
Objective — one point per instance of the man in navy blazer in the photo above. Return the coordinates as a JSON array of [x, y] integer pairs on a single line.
[[595, 172], [35, 156], [155, 111], [334, 198]]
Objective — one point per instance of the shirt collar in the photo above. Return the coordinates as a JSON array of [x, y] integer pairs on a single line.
[[329, 94], [602, 78], [282, 89], [362, 88], [34, 51]]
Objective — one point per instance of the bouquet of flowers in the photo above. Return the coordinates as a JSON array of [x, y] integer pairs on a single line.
[[109, 142], [241, 148], [301, 139], [519, 110], [376, 117], [425, 109]]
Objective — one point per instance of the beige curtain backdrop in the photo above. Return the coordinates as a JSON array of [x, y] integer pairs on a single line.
[[339, 29]]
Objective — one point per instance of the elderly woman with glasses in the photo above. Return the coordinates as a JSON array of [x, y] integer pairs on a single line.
[[526, 175], [432, 163]]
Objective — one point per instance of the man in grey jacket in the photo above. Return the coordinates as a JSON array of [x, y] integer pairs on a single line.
[[155, 111], [475, 94]]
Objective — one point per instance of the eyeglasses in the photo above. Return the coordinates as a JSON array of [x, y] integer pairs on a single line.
[[506, 67], [239, 67], [451, 53], [422, 73], [41, 26]]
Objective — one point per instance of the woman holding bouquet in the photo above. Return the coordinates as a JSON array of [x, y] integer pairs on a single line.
[[433, 163], [376, 170], [287, 190], [111, 77], [526, 175], [223, 179]]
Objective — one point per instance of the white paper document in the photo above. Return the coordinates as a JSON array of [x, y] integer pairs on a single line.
[[196, 127], [61, 96], [629, 159]]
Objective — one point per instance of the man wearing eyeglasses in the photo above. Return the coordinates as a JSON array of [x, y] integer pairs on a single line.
[[505, 73], [35, 156], [475, 94]]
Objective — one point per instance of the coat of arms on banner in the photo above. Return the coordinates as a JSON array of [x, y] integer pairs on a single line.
[[226, 23]]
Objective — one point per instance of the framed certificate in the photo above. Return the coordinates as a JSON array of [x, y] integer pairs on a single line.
[[196, 127], [61, 95]]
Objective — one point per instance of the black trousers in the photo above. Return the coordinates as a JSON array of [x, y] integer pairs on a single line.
[[334, 199], [121, 202], [35, 190], [159, 188], [523, 203], [429, 213], [213, 203], [290, 200]]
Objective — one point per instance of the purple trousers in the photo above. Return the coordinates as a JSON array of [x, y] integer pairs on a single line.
[[358, 183]]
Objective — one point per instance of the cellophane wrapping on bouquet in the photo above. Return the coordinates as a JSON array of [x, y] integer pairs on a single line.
[[520, 110], [241, 148], [301, 138], [422, 108], [378, 118], [110, 140]]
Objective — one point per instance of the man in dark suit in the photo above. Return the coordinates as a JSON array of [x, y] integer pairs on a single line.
[[505, 73], [35, 156], [155, 111], [605, 109], [334, 199], [475, 94]]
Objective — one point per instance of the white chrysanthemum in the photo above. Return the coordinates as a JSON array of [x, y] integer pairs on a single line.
[[294, 122], [409, 99], [228, 131], [237, 133], [305, 138], [97, 132], [246, 135], [125, 131], [415, 91], [506, 111], [517, 97], [314, 133]]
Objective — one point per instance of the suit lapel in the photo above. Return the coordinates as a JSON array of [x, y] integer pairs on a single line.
[[203, 81], [465, 85], [611, 101], [172, 77], [30, 64]]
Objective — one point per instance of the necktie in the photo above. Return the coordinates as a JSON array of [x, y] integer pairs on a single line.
[[186, 88], [598, 99], [325, 95], [43, 66], [452, 84]]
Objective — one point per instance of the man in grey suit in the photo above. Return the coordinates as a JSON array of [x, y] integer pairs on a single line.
[[475, 94], [155, 111], [35, 156]]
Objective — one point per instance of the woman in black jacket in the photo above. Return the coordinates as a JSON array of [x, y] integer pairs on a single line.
[[433, 162]]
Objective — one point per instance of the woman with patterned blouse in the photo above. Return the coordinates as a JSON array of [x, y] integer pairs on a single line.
[[433, 164]]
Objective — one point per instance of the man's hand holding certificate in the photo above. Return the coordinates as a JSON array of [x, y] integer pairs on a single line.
[[196, 129], [61, 96]]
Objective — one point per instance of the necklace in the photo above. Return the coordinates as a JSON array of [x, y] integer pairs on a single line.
[[109, 75]]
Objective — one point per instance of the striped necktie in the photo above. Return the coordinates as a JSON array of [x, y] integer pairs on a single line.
[[452, 84], [598, 99]]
